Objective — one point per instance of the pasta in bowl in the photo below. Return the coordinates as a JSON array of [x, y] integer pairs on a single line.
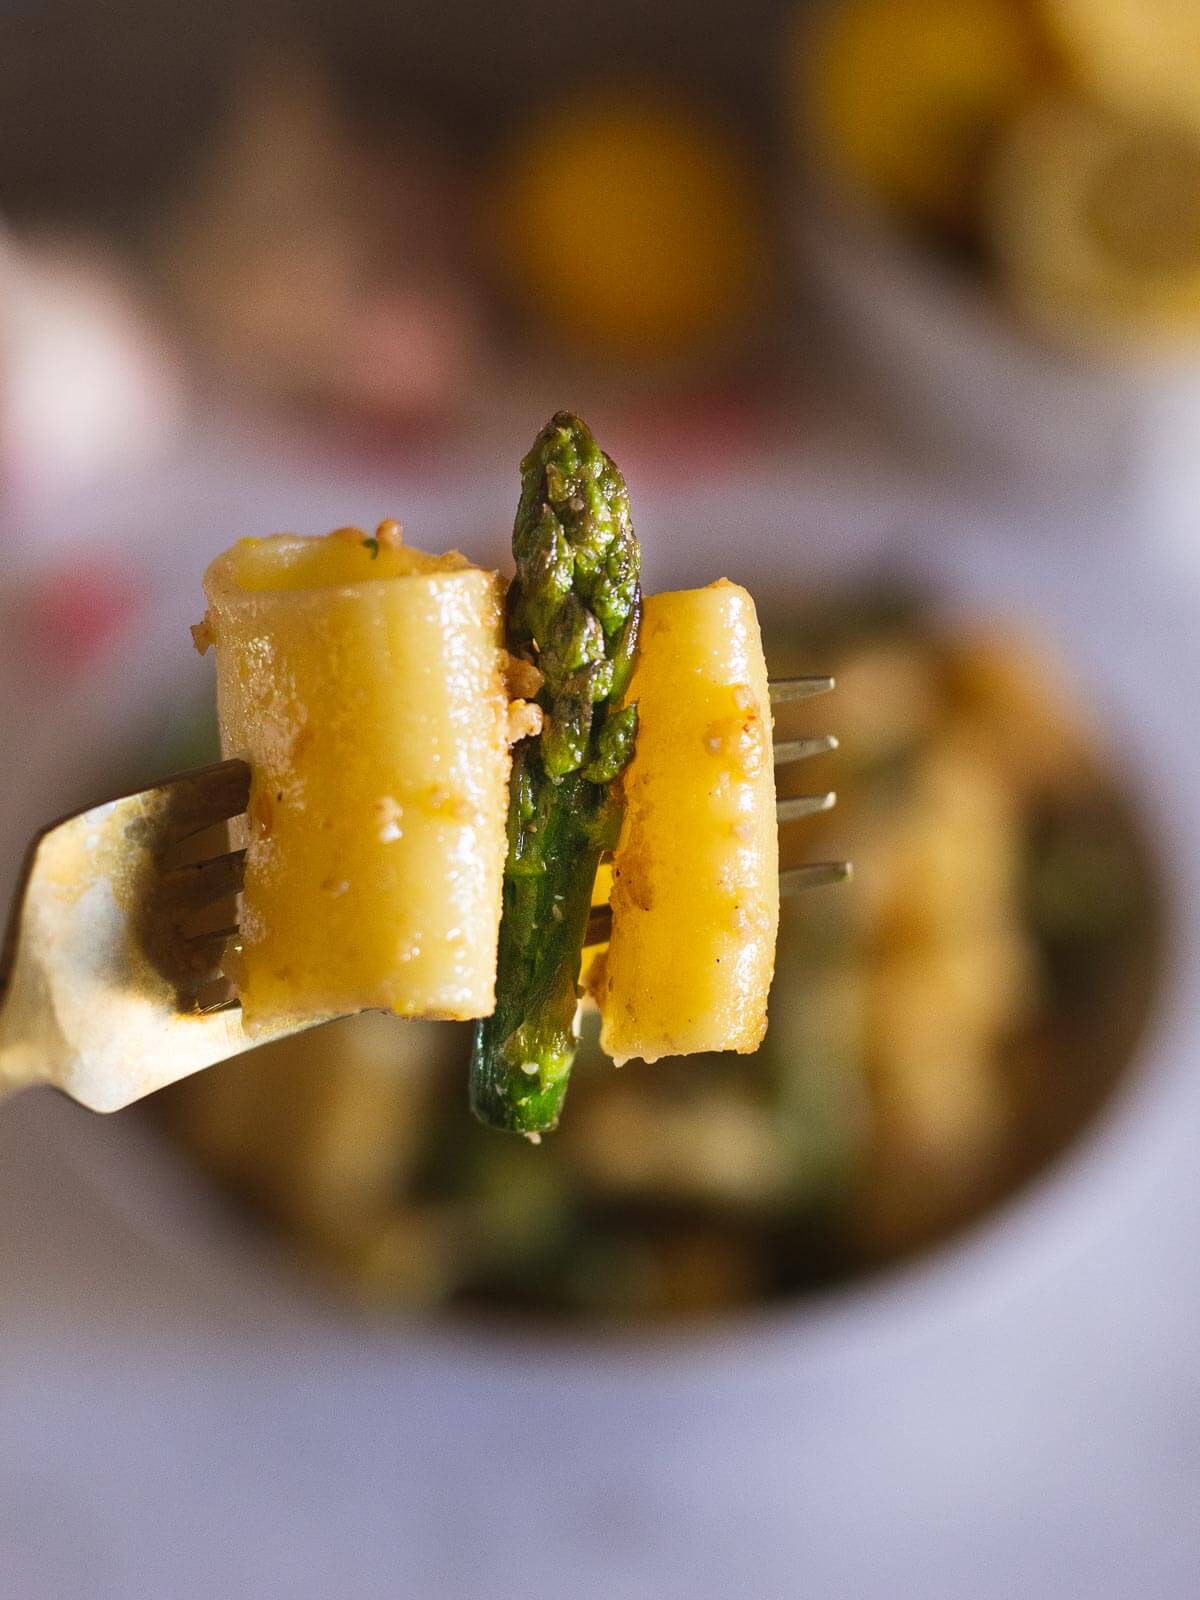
[[938, 1034]]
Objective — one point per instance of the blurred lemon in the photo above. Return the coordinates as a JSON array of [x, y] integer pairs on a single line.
[[1141, 54], [905, 94], [629, 226], [1095, 222]]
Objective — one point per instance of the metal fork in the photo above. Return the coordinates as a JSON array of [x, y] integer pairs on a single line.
[[110, 980], [792, 880], [111, 941]]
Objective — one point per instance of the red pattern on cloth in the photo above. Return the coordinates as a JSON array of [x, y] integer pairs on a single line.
[[75, 613]]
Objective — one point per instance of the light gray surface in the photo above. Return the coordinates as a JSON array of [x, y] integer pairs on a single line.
[[1021, 1417], [1043, 1444]]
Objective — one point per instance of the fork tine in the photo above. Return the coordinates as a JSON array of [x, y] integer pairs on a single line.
[[215, 997], [217, 1006], [801, 749], [804, 805], [201, 799], [204, 951], [792, 880], [190, 887], [212, 935], [198, 941], [785, 689], [814, 876]]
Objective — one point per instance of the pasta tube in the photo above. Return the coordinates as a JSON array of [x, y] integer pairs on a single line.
[[695, 897], [363, 683]]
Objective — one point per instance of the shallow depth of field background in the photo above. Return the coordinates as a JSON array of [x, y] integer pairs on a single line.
[[890, 308], [393, 227]]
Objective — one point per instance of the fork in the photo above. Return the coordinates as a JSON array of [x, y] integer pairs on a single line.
[[792, 880], [113, 938], [110, 970]]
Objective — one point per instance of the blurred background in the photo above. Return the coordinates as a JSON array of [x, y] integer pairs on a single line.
[[387, 225], [889, 309]]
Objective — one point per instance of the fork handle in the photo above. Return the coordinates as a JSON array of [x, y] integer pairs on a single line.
[[18, 1070], [22, 1061]]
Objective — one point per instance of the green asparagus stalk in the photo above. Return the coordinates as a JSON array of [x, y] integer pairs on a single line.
[[573, 611]]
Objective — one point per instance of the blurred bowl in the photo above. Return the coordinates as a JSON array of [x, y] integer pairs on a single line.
[[954, 374], [1147, 727]]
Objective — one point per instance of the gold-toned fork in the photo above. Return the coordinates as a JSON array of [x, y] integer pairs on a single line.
[[110, 971], [792, 880], [109, 944]]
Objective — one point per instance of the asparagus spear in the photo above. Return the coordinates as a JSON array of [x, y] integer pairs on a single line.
[[573, 611]]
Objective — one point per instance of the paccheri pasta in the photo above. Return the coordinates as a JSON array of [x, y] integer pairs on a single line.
[[695, 896], [363, 682]]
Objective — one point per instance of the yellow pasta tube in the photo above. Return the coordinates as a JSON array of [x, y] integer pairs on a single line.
[[695, 896], [363, 683]]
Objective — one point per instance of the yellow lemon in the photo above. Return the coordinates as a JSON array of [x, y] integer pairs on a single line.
[[1140, 54], [630, 226], [1095, 221], [904, 95]]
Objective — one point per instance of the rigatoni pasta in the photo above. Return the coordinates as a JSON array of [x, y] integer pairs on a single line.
[[695, 898], [363, 682]]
